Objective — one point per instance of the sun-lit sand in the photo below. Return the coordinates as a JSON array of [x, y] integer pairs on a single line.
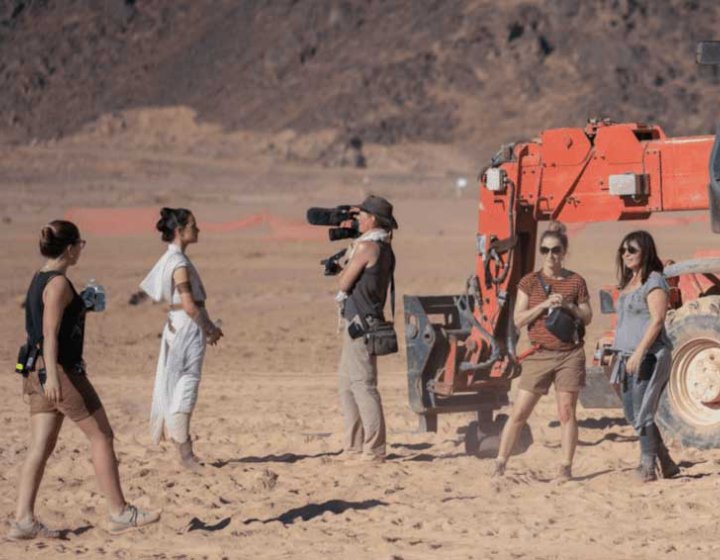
[[268, 422]]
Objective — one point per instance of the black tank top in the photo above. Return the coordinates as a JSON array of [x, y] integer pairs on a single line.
[[369, 293], [72, 326]]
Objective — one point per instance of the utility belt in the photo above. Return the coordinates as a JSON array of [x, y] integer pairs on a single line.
[[29, 355], [27, 358]]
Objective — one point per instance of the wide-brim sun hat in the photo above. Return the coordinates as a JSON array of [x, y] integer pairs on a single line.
[[381, 209]]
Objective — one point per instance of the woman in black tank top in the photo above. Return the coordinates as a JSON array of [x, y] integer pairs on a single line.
[[71, 334], [55, 324]]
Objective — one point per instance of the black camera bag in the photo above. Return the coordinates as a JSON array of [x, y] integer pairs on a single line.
[[381, 339], [380, 336], [561, 323]]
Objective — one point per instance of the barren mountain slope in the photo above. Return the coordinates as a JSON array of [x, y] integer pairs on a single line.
[[474, 72]]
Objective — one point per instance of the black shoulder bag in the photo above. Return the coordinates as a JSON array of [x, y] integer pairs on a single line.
[[561, 323], [380, 336]]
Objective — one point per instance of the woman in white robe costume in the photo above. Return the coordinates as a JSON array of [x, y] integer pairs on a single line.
[[188, 329]]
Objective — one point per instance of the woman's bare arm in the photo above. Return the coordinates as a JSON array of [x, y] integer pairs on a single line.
[[581, 311], [181, 278], [365, 255], [523, 316]]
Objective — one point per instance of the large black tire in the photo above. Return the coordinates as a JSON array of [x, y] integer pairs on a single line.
[[695, 332]]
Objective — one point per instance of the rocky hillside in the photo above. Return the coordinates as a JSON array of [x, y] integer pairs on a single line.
[[470, 72]]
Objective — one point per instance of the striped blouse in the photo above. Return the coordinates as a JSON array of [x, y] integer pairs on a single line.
[[571, 286]]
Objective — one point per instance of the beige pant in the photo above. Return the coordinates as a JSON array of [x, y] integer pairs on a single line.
[[360, 399]]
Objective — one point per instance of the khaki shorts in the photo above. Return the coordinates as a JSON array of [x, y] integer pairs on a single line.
[[566, 368], [79, 399]]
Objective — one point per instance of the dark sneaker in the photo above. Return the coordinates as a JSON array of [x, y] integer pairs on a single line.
[[131, 518], [33, 530]]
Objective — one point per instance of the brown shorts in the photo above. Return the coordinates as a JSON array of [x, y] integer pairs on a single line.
[[79, 399], [564, 367]]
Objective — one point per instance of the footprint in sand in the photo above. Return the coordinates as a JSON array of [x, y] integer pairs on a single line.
[[266, 480]]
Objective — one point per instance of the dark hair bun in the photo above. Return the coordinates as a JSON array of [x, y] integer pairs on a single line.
[[56, 237], [170, 220], [165, 224], [47, 235]]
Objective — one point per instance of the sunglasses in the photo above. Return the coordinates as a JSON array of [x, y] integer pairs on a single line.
[[81, 242], [554, 250], [629, 249]]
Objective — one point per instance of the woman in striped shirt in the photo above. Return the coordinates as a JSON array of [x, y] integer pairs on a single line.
[[554, 360]]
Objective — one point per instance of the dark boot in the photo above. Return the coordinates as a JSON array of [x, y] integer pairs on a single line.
[[656, 446], [649, 439], [668, 467], [646, 471]]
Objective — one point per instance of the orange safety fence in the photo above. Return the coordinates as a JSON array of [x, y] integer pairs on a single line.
[[141, 221]]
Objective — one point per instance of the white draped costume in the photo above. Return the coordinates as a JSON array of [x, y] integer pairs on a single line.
[[182, 348]]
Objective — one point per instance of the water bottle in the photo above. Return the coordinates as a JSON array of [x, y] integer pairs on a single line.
[[94, 296]]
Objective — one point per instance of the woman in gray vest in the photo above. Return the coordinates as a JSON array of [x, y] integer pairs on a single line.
[[363, 285], [642, 364]]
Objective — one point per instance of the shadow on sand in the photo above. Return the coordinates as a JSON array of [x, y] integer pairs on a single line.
[[595, 423], [197, 524], [612, 436], [424, 457], [284, 458], [412, 446], [310, 511], [65, 533]]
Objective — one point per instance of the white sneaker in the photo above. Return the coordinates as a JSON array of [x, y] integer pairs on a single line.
[[131, 518]]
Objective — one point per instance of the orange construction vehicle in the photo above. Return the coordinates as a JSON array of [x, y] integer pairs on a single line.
[[461, 350]]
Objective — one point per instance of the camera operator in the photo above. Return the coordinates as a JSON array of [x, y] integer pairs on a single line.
[[363, 285]]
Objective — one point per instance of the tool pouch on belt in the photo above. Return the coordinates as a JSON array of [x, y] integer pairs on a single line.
[[381, 339], [380, 336], [561, 323], [27, 355]]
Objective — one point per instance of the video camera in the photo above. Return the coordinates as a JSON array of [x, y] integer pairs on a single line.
[[335, 217]]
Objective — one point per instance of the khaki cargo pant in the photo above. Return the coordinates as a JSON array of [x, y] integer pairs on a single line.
[[360, 399]]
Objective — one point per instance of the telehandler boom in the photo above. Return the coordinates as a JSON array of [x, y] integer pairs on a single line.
[[462, 349]]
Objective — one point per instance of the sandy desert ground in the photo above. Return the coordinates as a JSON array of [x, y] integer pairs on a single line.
[[268, 422]]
